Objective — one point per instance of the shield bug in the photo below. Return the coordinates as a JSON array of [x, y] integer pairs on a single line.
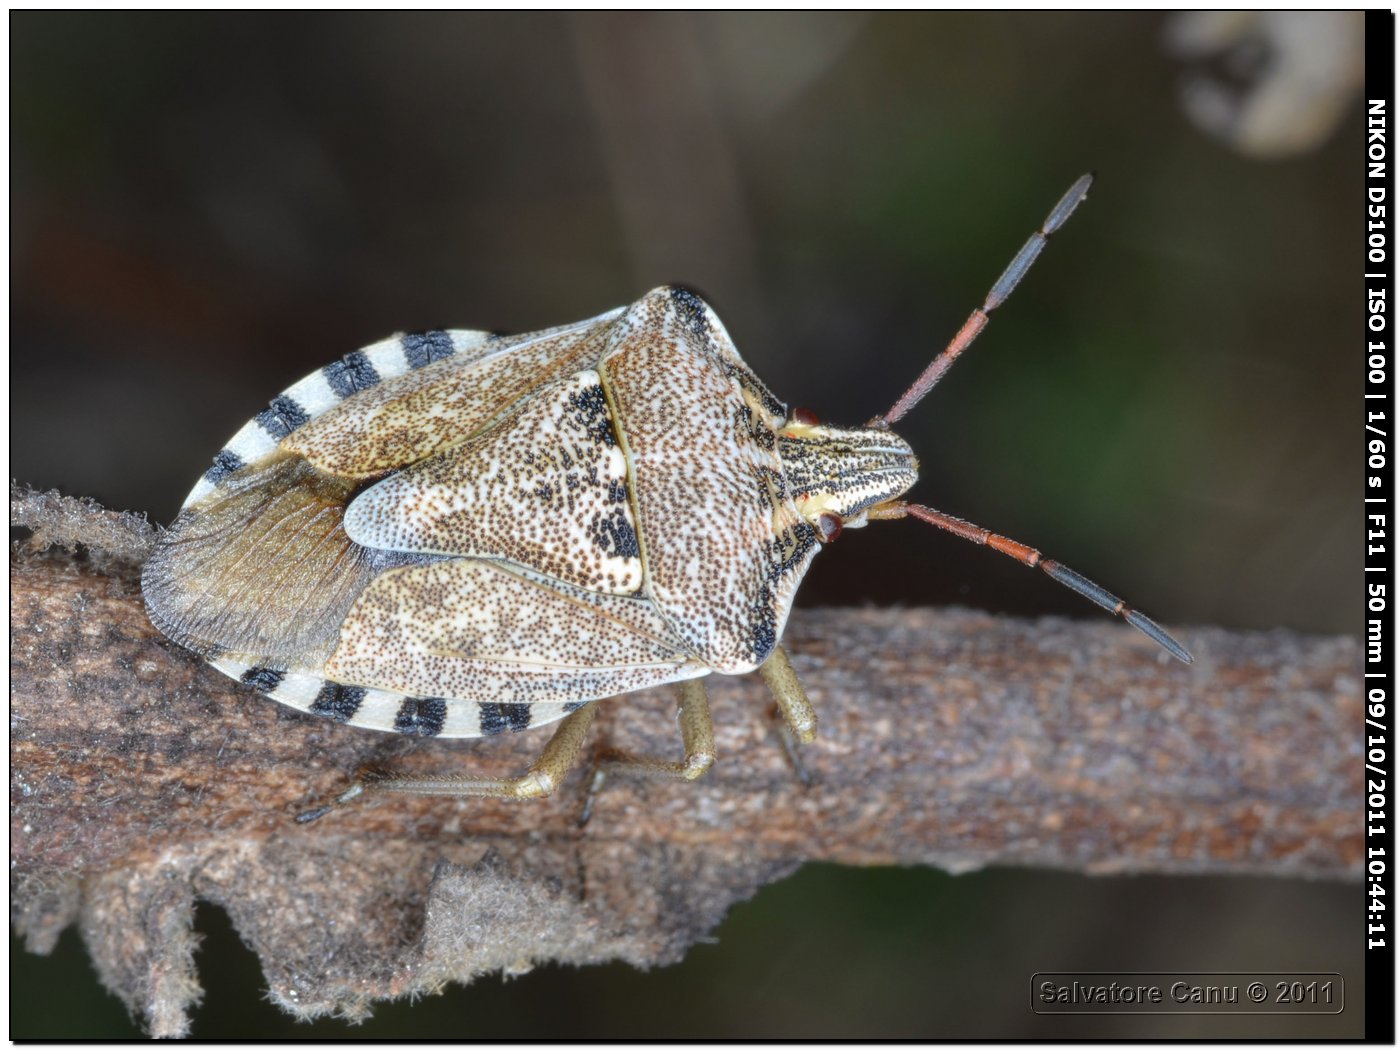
[[458, 534]]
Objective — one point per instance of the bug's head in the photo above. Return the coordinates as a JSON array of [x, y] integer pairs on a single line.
[[835, 474]]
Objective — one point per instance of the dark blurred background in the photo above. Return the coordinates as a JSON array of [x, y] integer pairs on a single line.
[[205, 208]]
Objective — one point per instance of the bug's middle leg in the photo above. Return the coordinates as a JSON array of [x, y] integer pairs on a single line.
[[798, 713], [697, 739], [799, 724]]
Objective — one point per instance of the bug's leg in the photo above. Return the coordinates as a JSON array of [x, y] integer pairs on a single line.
[[797, 710], [792, 747], [543, 776], [799, 724], [697, 738]]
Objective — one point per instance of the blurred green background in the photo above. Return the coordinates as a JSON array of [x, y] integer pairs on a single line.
[[205, 208]]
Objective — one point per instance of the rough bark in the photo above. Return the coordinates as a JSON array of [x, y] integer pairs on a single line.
[[143, 781]]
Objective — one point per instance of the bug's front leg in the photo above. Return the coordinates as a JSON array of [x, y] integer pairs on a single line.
[[798, 713], [541, 779], [799, 724], [697, 739]]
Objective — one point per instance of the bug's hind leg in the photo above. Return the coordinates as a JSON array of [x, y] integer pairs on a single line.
[[543, 776], [697, 738], [799, 724]]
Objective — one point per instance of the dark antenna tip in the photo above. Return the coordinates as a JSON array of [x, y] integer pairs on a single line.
[[1032, 558]]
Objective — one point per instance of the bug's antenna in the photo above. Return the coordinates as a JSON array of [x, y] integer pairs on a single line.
[[1032, 557], [973, 326]]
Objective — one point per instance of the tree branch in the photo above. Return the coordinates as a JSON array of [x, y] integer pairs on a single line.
[[143, 780]]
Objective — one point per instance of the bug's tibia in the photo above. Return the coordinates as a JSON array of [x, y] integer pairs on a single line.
[[542, 778], [797, 710], [697, 742], [697, 739], [1062, 574]]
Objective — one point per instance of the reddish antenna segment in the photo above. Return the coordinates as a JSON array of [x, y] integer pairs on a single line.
[[1004, 286], [1033, 558], [971, 328]]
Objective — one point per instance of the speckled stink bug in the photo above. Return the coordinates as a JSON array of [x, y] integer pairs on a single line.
[[456, 534]]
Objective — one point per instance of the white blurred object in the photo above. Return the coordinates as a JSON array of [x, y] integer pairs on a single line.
[[1278, 82]]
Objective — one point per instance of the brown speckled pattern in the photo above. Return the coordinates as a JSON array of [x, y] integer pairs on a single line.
[[723, 541], [547, 518], [413, 416], [546, 488], [478, 629]]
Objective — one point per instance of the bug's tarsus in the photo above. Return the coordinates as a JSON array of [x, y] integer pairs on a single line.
[[1004, 286], [595, 785], [355, 791], [1030, 556], [791, 747]]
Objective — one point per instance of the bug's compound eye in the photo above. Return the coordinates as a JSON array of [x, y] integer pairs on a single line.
[[805, 416], [828, 526]]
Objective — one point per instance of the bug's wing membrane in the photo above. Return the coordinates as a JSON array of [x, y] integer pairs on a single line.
[[411, 416], [262, 567], [545, 488], [726, 546], [493, 633]]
